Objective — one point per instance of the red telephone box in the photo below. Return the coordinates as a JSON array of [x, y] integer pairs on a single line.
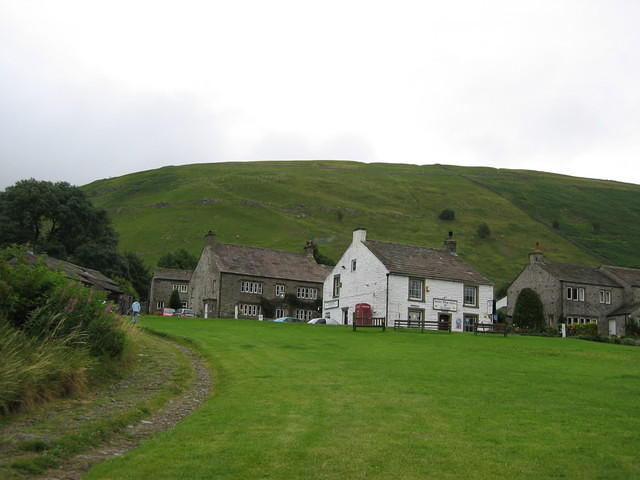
[[363, 314]]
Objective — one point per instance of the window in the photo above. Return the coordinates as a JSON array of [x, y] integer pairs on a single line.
[[249, 310], [184, 304], [281, 289], [580, 320], [336, 285], [160, 305], [415, 315], [469, 321], [251, 287], [605, 296], [281, 312], [307, 292], [180, 287], [470, 296], [575, 294], [353, 265], [305, 315], [416, 289]]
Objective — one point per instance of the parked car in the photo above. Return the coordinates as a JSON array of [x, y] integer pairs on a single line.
[[322, 321], [184, 312], [288, 320], [166, 312], [317, 321]]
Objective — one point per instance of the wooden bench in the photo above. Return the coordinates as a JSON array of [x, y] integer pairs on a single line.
[[422, 324], [373, 322], [490, 328]]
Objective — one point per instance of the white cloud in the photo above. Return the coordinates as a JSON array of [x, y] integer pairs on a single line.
[[125, 86]]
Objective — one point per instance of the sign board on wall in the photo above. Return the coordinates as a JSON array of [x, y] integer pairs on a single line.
[[332, 303], [445, 305]]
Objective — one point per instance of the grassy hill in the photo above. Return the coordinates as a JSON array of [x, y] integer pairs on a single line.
[[282, 204]]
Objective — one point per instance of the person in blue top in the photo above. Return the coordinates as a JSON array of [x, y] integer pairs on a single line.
[[135, 311]]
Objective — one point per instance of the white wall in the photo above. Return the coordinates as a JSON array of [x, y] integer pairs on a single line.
[[367, 284]]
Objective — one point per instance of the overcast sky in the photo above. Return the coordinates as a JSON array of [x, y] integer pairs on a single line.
[[92, 89]]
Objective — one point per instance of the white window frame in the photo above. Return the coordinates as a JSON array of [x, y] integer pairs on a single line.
[[251, 286], [416, 285], [308, 293], [303, 314], [281, 312], [184, 304], [249, 309], [181, 287], [281, 289], [159, 305], [473, 288], [575, 294], [605, 296], [337, 284]]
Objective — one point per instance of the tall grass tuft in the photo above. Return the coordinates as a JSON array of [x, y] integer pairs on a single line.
[[35, 370]]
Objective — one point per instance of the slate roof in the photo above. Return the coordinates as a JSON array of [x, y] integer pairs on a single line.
[[578, 274], [172, 274], [87, 276], [629, 275], [625, 309], [264, 262], [424, 262]]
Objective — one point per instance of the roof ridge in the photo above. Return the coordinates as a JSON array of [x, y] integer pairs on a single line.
[[408, 245], [260, 248]]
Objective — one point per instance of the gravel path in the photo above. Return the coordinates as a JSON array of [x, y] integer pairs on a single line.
[[147, 381]]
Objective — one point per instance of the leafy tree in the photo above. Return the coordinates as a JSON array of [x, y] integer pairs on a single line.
[[137, 273], [179, 259], [483, 230], [529, 312], [268, 307], [447, 214], [56, 218], [320, 258], [174, 300]]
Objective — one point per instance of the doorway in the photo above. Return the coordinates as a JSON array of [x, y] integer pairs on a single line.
[[444, 321], [345, 316]]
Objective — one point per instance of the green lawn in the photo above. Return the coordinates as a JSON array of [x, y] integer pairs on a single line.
[[315, 402]]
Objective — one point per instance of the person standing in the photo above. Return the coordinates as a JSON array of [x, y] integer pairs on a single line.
[[135, 311]]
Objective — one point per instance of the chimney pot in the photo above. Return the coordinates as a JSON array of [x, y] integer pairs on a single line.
[[210, 238], [450, 244]]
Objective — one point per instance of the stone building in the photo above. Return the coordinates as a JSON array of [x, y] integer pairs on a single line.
[[579, 294], [400, 282], [164, 282], [246, 282]]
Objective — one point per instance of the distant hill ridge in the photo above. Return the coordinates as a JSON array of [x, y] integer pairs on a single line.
[[283, 204]]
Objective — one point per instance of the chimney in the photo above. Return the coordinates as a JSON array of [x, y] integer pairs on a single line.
[[450, 244], [308, 249], [210, 239], [536, 256], [360, 235]]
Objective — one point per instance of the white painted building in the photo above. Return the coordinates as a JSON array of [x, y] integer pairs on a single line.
[[407, 281]]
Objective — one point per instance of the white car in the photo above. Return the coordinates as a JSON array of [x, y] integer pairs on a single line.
[[321, 321]]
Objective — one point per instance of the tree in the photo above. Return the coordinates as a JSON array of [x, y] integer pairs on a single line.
[[447, 214], [59, 219], [179, 259], [320, 258], [137, 273], [483, 230], [174, 300], [56, 218], [529, 311]]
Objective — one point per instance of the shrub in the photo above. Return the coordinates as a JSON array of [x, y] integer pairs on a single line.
[[268, 307], [447, 214], [174, 300], [556, 224], [529, 312], [483, 230]]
